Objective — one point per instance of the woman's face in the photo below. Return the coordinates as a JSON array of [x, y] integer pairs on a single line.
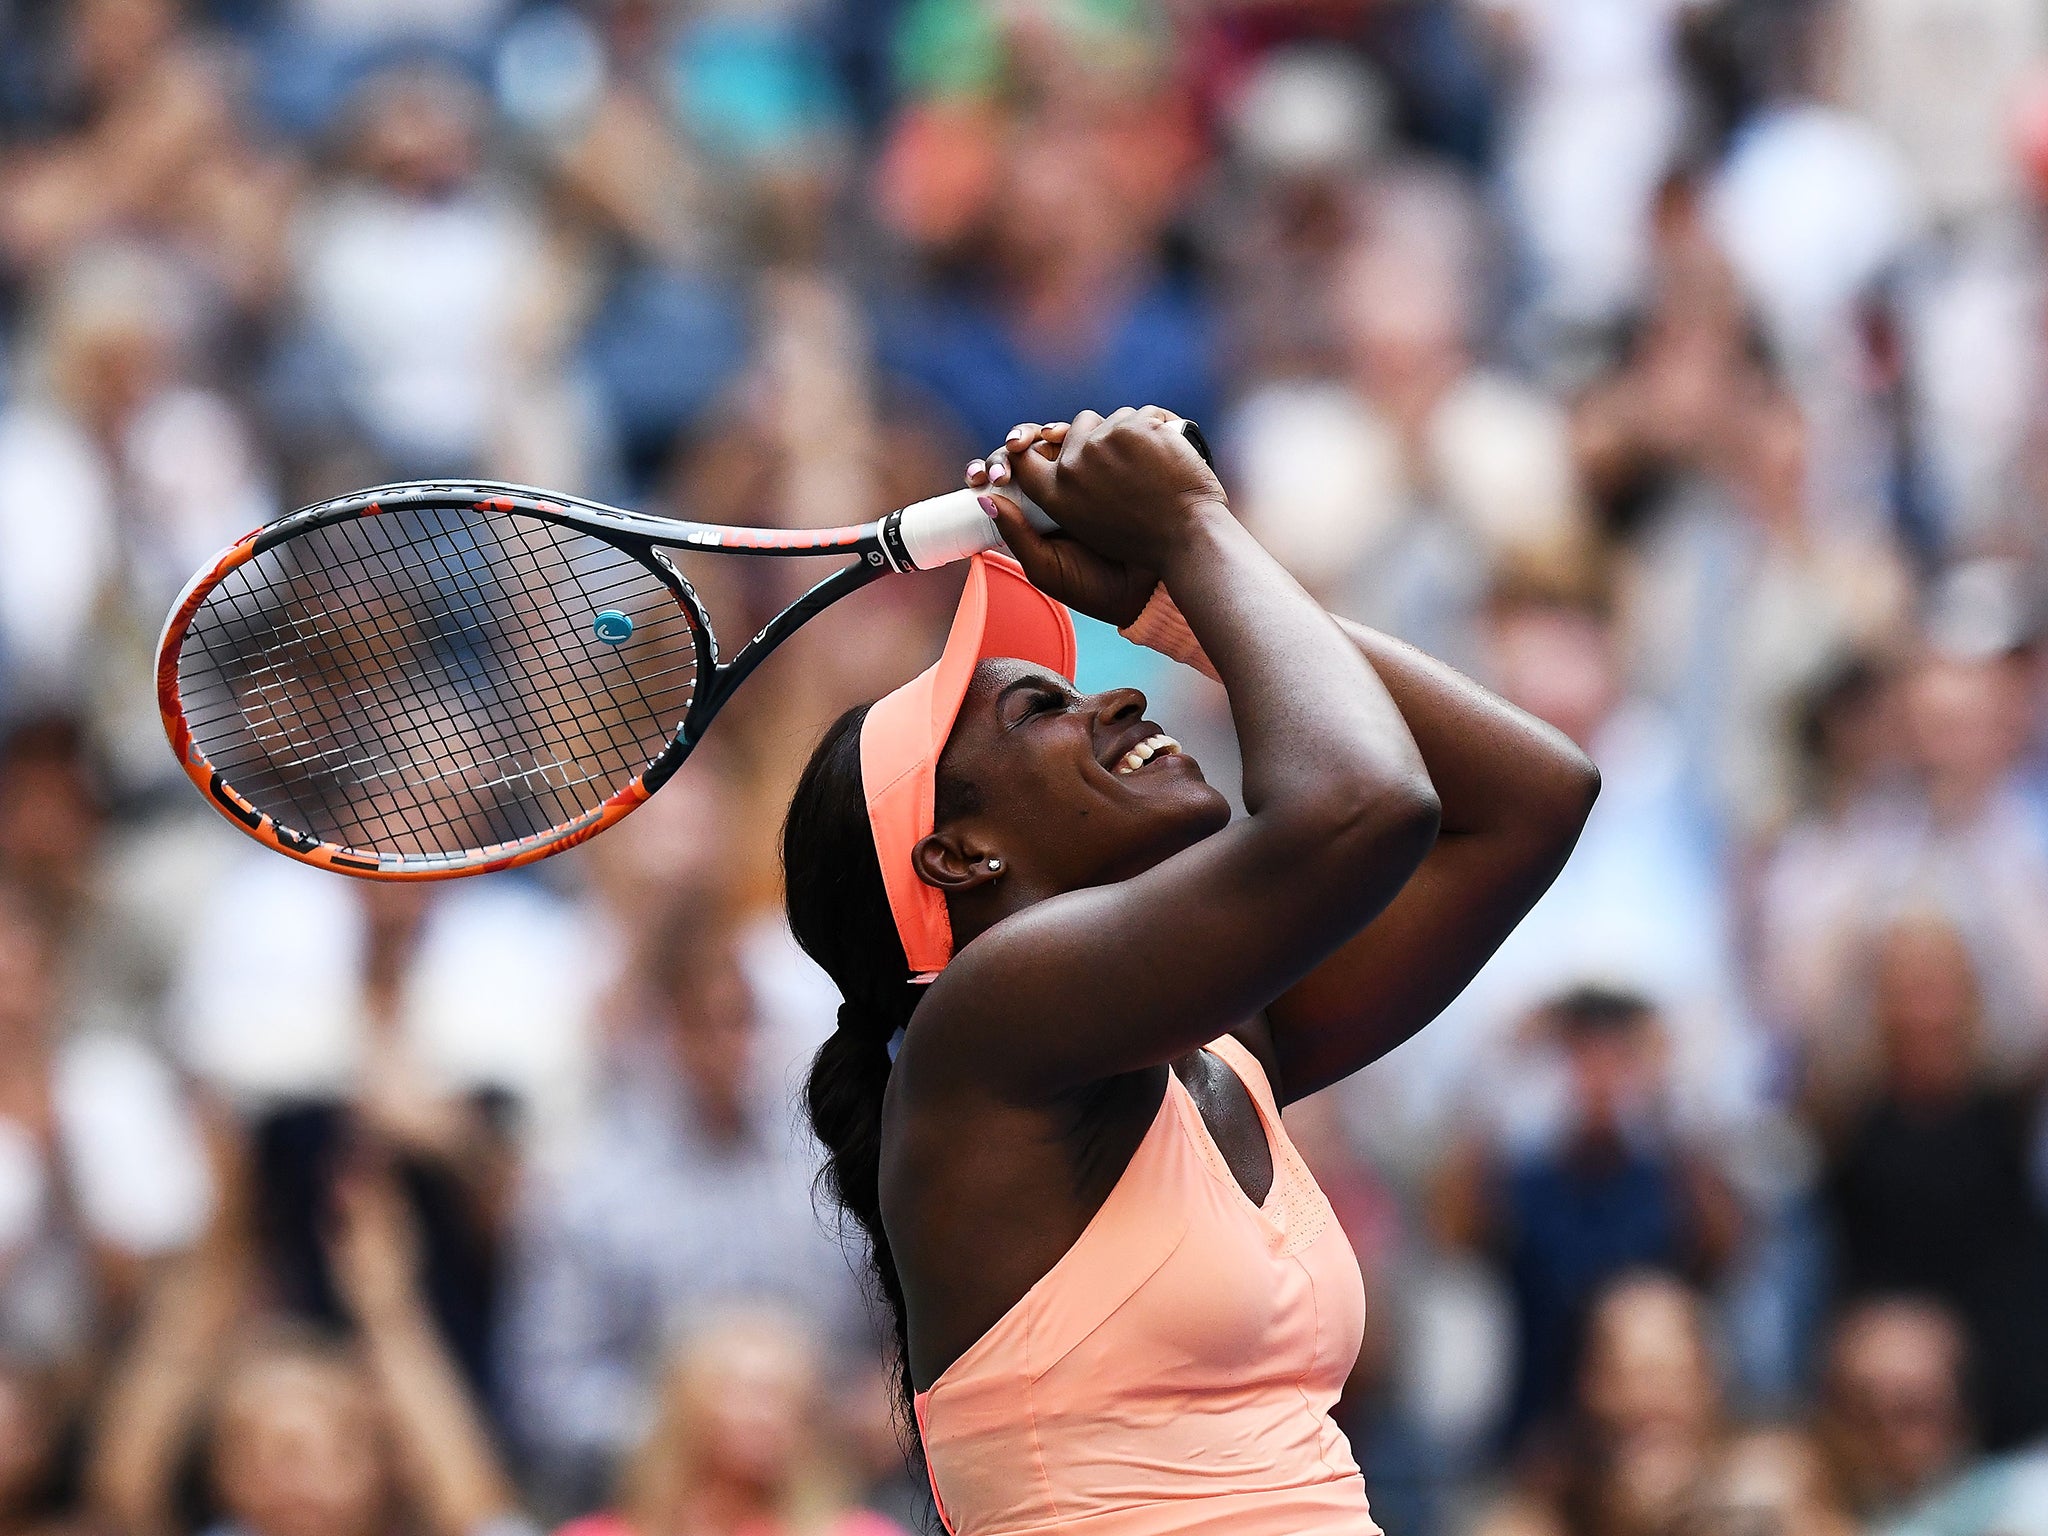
[[299, 1450], [1037, 774]]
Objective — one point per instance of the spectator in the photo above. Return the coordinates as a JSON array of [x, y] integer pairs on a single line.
[[153, 472], [1930, 1183], [101, 1165], [146, 137], [1892, 1411], [1060, 303], [1398, 487], [1575, 1193], [737, 1442], [691, 1189], [1771, 1479], [441, 364], [302, 1436], [1647, 1427], [1958, 831], [1642, 905]]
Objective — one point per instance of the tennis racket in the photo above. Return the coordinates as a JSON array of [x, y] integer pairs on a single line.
[[442, 678]]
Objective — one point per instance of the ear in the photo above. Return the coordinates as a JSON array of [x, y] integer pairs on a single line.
[[952, 862]]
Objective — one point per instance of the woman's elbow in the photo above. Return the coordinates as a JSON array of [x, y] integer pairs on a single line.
[[1393, 824], [1578, 787], [1548, 824]]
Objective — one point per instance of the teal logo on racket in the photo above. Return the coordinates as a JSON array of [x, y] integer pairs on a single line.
[[612, 627]]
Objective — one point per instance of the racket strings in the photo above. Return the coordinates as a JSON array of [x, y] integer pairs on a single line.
[[429, 681]]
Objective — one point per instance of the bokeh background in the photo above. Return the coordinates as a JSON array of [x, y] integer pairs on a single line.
[[1675, 366]]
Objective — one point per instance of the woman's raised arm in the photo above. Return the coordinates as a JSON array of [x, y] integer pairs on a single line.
[[1514, 794], [1133, 972]]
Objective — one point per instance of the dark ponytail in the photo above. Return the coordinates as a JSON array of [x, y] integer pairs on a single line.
[[839, 912]]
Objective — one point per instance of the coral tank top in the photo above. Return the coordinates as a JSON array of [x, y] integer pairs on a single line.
[[1175, 1370]]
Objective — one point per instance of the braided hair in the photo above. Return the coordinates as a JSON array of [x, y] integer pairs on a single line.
[[839, 911]]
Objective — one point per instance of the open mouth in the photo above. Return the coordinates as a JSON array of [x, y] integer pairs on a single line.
[[1151, 749]]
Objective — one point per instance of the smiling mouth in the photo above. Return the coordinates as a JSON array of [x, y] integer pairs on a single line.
[[1151, 748]]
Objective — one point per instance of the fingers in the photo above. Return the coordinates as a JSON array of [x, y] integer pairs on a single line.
[[1033, 474], [1025, 436], [1085, 425], [1031, 547]]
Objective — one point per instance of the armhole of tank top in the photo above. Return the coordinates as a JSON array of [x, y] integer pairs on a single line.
[[1240, 1059]]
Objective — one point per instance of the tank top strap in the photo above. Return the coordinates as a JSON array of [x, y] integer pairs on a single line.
[[1296, 1205], [1241, 1061]]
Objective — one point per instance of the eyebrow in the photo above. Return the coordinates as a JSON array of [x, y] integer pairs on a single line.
[[1038, 680]]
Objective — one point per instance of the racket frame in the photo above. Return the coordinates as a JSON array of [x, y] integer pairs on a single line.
[[878, 549]]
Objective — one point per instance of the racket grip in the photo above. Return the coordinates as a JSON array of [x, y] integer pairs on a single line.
[[1042, 520], [946, 528], [943, 529]]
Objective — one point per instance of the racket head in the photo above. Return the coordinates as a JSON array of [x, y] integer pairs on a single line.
[[422, 682]]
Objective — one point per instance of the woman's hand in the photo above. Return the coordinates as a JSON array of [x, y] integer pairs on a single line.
[[1059, 566], [1122, 490]]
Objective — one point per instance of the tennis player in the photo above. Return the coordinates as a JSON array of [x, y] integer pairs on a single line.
[[1077, 993]]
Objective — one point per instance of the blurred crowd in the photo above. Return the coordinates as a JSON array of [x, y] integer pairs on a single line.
[[1674, 366]]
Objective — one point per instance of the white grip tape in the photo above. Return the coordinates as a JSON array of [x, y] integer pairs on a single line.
[[946, 528]]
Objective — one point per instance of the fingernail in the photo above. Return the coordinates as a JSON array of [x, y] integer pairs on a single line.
[[977, 467], [987, 504], [999, 473], [1016, 435]]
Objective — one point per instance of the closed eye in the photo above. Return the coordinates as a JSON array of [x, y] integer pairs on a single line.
[[1036, 700]]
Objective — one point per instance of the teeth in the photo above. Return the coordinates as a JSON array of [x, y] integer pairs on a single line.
[[1145, 751]]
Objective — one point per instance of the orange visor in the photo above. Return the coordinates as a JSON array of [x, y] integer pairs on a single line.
[[1000, 614]]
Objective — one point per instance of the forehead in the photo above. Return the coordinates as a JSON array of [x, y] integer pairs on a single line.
[[997, 676]]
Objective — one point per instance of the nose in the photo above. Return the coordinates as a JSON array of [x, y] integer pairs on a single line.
[[1118, 706]]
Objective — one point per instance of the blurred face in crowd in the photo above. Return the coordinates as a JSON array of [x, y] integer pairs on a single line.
[[1060, 201], [113, 328], [1967, 722], [1404, 326], [1556, 661], [1616, 1062], [737, 1422], [1771, 1482], [417, 131], [113, 41], [751, 1389], [1773, 449], [1647, 1373], [1927, 1003], [1892, 1398], [1851, 731], [49, 821], [298, 1448], [712, 1028]]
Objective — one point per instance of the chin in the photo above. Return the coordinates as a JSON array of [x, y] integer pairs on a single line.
[[1193, 811]]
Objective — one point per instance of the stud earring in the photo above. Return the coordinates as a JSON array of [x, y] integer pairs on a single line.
[[995, 866]]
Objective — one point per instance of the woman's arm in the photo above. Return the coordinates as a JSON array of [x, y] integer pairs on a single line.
[[157, 1388], [1514, 794], [445, 1452], [1092, 983]]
